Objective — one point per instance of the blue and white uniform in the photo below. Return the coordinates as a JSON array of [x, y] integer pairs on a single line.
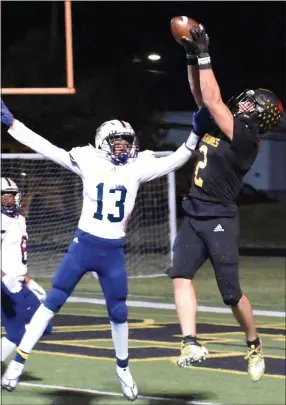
[[18, 303], [109, 193]]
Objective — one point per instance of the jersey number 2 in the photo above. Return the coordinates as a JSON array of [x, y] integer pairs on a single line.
[[201, 165], [119, 203]]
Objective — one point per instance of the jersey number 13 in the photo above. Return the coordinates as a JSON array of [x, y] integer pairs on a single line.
[[119, 203]]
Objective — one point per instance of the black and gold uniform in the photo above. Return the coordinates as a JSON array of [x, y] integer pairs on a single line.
[[211, 227]]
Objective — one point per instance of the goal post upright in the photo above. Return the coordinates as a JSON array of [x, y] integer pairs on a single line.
[[69, 89]]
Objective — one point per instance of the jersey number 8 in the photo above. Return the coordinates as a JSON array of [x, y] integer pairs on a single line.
[[119, 203]]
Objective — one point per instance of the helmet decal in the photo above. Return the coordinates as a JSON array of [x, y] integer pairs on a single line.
[[267, 108]]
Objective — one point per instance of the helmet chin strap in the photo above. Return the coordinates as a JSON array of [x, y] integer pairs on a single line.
[[123, 156]]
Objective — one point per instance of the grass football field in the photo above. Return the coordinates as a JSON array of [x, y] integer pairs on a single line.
[[75, 364]]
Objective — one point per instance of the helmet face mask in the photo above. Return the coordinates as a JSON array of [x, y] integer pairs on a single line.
[[10, 197], [259, 104], [121, 147], [118, 140]]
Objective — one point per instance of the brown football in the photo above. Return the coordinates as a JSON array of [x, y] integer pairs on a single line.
[[180, 27]]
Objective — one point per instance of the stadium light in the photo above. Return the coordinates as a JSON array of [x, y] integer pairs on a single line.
[[154, 57]]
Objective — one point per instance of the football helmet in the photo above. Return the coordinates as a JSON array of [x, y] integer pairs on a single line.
[[10, 197], [267, 108], [107, 139]]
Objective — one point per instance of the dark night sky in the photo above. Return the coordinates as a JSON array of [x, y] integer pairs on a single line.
[[248, 39]]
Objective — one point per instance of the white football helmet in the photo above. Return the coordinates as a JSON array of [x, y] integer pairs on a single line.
[[12, 206], [110, 132]]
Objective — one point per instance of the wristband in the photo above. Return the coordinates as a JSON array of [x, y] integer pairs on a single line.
[[204, 61], [192, 141], [192, 60]]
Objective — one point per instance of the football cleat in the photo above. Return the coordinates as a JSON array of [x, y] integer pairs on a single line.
[[192, 353], [11, 376], [129, 386], [256, 364]]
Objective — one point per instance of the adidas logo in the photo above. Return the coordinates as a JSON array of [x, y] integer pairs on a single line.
[[75, 239], [219, 228]]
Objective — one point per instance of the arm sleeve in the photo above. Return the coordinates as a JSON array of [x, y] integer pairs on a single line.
[[29, 138], [162, 166], [25, 228]]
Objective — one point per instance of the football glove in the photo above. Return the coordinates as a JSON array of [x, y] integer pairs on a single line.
[[191, 51], [201, 41], [37, 290], [6, 116], [203, 121]]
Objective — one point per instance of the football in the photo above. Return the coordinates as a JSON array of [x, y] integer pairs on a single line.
[[180, 27]]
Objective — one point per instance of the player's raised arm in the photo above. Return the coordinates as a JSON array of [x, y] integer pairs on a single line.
[[34, 141], [160, 167], [208, 84], [193, 70]]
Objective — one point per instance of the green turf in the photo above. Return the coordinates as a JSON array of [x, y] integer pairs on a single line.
[[159, 378], [156, 379], [262, 279]]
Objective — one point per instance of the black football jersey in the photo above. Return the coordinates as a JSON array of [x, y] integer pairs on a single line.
[[222, 164]]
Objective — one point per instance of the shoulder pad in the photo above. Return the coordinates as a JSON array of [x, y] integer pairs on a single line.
[[146, 154], [22, 218], [80, 154]]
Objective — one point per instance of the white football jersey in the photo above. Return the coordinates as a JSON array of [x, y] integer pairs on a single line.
[[109, 190], [14, 245]]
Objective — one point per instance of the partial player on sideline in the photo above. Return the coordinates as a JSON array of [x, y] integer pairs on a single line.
[[21, 296]]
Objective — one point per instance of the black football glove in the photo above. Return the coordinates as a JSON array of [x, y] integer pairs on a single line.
[[191, 51], [201, 42], [200, 39]]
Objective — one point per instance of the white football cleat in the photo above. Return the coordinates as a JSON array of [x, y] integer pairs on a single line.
[[256, 364], [192, 353], [129, 386], [11, 376]]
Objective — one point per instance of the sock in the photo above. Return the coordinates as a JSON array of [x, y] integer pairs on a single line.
[[7, 347], [122, 363], [252, 344], [190, 339], [119, 333], [35, 329], [21, 356]]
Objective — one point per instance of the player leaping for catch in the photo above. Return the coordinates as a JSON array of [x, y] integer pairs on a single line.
[[228, 148], [20, 294], [111, 174]]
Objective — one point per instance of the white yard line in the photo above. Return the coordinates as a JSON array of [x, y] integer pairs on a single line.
[[158, 305], [108, 393]]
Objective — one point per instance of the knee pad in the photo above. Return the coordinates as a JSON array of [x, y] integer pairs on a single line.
[[118, 312], [55, 299], [232, 300]]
